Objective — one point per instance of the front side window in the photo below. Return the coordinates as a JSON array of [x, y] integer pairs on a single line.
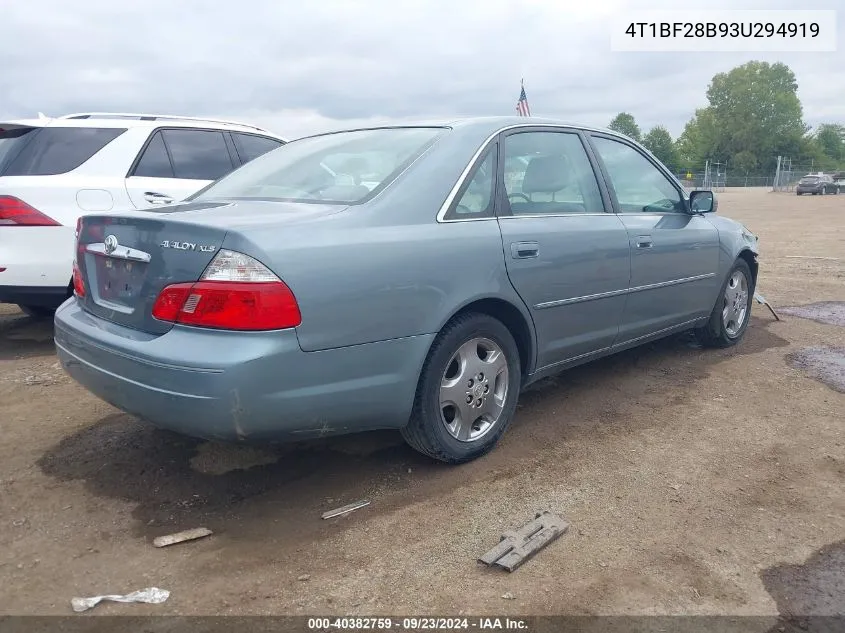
[[338, 168], [549, 173], [639, 185]]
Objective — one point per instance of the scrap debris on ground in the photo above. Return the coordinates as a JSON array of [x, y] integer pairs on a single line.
[[345, 509], [519, 546], [179, 537], [150, 595]]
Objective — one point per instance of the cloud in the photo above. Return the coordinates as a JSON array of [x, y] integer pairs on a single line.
[[305, 67]]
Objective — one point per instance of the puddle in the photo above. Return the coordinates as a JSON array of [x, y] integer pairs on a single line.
[[828, 312], [825, 364], [814, 588]]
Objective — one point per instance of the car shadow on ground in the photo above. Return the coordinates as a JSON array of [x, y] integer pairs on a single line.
[[178, 482], [25, 337]]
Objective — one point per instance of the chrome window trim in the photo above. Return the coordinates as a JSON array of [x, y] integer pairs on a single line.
[[574, 214]]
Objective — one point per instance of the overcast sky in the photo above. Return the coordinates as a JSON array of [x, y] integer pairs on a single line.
[[301, 67]]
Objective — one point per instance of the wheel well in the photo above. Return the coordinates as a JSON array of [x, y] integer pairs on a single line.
[[750, 259], [512, 319]]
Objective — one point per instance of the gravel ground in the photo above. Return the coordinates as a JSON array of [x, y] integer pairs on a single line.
[[695, 482]]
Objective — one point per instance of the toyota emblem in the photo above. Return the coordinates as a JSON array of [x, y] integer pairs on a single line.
[[110, 243]]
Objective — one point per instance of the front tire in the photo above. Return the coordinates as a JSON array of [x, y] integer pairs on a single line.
[[732, 312], [468, 389]]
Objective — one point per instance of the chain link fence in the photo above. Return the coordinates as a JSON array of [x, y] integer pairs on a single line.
[[720, 182], [717, 177], [787, 178]]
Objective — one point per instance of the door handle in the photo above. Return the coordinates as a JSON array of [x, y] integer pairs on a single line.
[[157, 198], [644, 241], [524, 250]]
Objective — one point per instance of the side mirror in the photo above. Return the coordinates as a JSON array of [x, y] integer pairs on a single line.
[[702, 202]]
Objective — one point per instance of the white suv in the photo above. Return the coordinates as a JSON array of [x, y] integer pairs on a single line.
[[53, 170]]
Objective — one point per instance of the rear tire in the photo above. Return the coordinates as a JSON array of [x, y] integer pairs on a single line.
[[475, 358], [732, 312], [37, 312]]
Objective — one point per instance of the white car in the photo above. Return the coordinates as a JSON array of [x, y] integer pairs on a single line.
[[53, 170]]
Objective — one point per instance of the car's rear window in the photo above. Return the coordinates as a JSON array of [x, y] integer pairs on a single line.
[[339, 168], [53, 150], [808, 180], [10, 141]]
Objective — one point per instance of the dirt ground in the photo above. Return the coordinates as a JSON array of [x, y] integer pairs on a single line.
[[689, 477]]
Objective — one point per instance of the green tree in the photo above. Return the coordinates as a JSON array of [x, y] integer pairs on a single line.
[[696, 143], [659, 142], [625, 123], [744, 162], [830, 138], [753, 115]]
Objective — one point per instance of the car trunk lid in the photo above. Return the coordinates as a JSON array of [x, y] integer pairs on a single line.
[[126, 260]]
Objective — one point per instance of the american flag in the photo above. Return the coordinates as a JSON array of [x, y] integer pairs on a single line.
[[522, 108]]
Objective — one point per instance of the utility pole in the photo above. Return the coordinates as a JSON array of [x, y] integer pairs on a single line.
[[718, 173], [777, 176]]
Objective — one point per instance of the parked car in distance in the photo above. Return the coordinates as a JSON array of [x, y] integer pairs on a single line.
[[816, 184], [283, 302], [52, 170], [839, 180]]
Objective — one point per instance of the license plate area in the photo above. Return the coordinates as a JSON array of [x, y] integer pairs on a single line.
[[118, 280]]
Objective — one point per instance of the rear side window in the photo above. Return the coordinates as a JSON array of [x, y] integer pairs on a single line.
[[57, 150], [198, 154], [250, 146], [154, 162]]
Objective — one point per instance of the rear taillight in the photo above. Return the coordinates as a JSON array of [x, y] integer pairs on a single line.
[[16, 212], [236, 292], [78, 284]]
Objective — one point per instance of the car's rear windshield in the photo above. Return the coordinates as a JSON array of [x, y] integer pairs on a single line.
[[809, 179], [51, 150], [10, 141], [339, 168]]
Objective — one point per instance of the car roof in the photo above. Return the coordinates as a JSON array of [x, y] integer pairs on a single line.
[[484, 125], [119, 120]]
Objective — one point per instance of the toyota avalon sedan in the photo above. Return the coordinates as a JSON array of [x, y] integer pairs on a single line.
[[415, 277]]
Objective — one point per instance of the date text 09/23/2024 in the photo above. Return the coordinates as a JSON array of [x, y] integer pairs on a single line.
[[418, 624]]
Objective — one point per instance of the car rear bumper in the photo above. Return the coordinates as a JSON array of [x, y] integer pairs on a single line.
[[232, 385], [38, 263], [36, 296]]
